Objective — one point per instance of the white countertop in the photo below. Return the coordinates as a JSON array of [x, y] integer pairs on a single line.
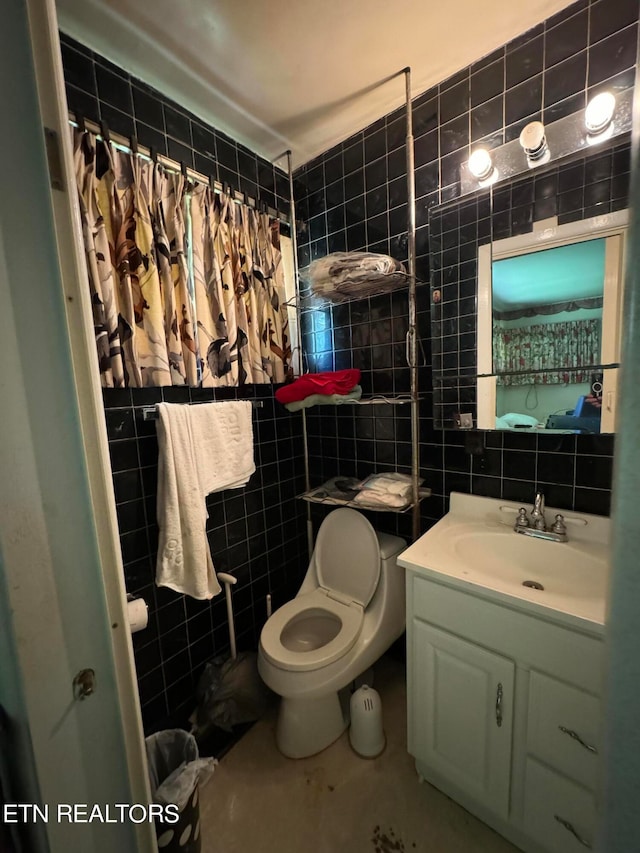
[[475, 549]]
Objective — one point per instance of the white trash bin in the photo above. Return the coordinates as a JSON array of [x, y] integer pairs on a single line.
[[366, 734]]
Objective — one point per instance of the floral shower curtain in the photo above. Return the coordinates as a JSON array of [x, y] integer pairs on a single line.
[[157, 322], [551, 348]]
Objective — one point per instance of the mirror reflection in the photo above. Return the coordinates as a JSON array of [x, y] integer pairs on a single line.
[[553, 321], [547, 319]]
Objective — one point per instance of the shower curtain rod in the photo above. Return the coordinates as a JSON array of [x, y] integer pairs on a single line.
[[131, 146]]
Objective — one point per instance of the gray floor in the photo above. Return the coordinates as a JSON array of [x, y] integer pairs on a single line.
[[257, 800]]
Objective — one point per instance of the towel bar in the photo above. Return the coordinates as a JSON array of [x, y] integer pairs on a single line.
[[150, 413]]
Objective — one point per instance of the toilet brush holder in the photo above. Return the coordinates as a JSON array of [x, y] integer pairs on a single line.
[[366, 734]]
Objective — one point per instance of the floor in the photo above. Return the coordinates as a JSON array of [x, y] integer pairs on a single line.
[[257, 800]]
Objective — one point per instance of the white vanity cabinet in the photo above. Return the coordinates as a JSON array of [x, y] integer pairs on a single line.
[[504, 713]]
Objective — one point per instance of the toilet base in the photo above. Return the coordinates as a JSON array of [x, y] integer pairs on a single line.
[[307, 726]]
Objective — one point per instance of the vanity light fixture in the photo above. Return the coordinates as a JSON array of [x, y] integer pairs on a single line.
[[534, 142], [481, 165], [598, 116], [607, 116]]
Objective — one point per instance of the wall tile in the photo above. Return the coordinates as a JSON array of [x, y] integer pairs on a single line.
[[490, 101], [182, 633]]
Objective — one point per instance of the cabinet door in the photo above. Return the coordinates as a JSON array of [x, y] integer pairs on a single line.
[[460, 715]]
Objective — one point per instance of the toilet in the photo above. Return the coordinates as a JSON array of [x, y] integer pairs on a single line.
[[348, 611]]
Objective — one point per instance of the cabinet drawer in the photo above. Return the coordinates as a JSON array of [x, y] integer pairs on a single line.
[[564, 727], [558, 814]]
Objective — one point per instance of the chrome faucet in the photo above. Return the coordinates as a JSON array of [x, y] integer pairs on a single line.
[[537, 525], [537, 513]]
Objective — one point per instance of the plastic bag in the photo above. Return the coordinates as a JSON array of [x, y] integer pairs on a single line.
[[175, 766], [230, 691]]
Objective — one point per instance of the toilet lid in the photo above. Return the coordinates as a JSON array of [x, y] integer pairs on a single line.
[[348, 555]]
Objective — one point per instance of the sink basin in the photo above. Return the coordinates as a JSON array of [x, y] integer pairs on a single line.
[[567, 568], [475, 545]]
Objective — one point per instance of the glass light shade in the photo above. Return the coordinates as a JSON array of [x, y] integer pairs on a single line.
[[480, 164], [599, 112]]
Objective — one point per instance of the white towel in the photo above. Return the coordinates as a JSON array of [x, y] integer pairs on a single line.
[[202, 449]]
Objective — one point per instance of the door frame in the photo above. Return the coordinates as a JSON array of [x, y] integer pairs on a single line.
[[61, 571]]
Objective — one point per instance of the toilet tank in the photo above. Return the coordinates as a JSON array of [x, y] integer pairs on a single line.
[[390, 594], [390, 546]]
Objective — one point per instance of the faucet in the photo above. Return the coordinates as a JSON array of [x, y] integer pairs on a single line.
[[537, 514], [537, 525]]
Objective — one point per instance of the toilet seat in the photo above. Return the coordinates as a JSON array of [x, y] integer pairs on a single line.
[[318, 602]]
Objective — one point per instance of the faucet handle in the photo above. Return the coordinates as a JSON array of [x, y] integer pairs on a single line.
[[522, 519], [559, 526]]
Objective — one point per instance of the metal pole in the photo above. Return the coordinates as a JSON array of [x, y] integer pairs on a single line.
[[412, 333], [305, 443]]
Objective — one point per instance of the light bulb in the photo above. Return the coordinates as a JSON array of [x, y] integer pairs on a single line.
[[480, 164], [599, 112], [534, 142]]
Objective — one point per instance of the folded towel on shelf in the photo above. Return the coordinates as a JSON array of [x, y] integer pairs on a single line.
[[353, 273], [324, 400], [202, 449], [393, 489], [372, 497], [329, 382]]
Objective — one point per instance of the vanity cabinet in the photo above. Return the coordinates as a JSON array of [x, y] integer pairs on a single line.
[[504, 714], [462, 713]]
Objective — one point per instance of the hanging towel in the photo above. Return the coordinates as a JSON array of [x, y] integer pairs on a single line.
[[202, 449], [329, 382]]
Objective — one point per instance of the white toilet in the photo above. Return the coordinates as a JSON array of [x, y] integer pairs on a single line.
[[349, 610]]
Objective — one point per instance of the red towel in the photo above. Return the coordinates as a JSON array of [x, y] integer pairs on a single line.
[[336, 382]]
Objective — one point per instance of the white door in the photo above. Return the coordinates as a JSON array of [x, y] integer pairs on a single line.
[[462, 714], [62, 602]]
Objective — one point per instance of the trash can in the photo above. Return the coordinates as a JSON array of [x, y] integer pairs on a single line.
[[175, 770]]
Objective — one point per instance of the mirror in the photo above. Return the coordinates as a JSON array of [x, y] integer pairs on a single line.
[[549, 326], [574, 212]]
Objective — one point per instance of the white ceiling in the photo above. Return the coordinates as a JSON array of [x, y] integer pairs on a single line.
[[299, 75]]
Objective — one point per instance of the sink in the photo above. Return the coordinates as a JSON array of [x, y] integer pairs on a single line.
[[475, 546], [567, 568]]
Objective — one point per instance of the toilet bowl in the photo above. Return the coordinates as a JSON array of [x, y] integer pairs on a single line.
[[348, 611]]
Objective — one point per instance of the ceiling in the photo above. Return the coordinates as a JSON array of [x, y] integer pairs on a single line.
[[299, 75], [562, 274]]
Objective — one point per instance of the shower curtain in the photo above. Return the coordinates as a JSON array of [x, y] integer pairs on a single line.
[[187, 287]]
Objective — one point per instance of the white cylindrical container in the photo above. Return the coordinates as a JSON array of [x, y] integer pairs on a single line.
[[366, 734]]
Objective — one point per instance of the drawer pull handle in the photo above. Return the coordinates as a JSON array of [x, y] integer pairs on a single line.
[[573, 832], [576, 736], [499, 705]]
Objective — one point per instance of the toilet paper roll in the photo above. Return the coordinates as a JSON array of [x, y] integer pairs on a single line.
[[138, 613]]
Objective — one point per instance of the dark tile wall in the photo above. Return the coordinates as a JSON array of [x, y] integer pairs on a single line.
[[584, 187], [353, 196], [256, 533], [103, 92]]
